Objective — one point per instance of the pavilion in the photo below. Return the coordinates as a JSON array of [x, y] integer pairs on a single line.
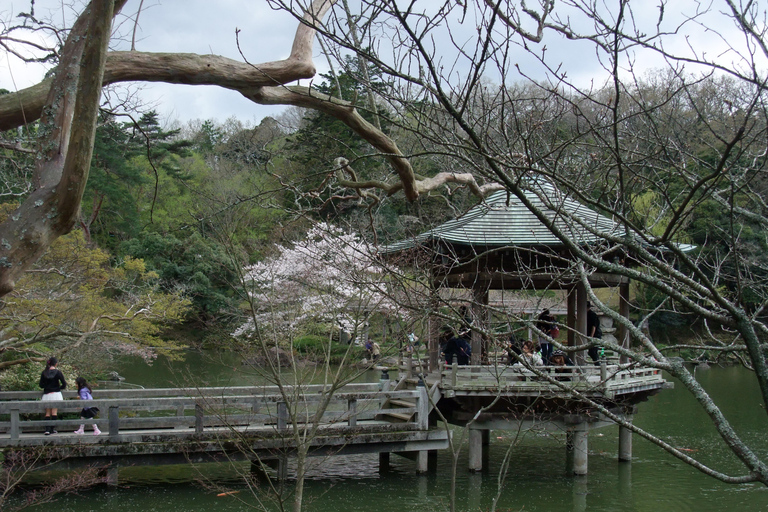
[[503, 244], [500, 244]]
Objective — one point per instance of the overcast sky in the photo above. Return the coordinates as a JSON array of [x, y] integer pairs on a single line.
[[188, 26], [206, 26]]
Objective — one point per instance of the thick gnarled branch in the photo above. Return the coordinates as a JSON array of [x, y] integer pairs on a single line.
[[421, 186]]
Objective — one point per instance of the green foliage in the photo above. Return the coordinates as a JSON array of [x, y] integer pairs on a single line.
[[23, 377], [197, 265], [310, 343], [77, 305], [322, 348], [26, 377]]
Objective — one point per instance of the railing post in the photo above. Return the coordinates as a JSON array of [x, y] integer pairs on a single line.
[[384, 384], [603, 371], [282, 416], [422, 406], [180, 413], [199, 419], [352, 408], [409, 366], [454, 372], [384, 381], [114, 420], [15, 428]]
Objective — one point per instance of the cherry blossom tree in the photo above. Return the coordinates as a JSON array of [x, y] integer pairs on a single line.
[[329, 276]]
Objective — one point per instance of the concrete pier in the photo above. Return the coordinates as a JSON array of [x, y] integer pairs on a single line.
[[580, 450], [625, 442], [476, 449]]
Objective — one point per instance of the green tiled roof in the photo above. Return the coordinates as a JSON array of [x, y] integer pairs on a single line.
[[503, 219]]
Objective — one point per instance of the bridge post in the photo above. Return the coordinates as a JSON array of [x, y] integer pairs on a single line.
[[114, 420], [423, 406], [384, 383], [422, 461], [352, 409], [580, 449], [199, 419], [282, 416], [179, 413], [15, 429], [475, 450], [422, 416], [625, 441]]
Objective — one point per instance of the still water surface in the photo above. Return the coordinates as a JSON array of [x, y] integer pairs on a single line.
[[536, 479]]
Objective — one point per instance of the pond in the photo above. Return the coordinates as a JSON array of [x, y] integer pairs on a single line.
[[536, 480]]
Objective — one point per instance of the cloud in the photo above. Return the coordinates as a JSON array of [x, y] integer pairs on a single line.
[[265, 34]]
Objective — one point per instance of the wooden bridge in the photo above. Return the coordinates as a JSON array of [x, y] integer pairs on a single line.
[[262, 423], [267, 423]]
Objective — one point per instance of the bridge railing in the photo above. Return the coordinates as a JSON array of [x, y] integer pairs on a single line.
[[200, 410]]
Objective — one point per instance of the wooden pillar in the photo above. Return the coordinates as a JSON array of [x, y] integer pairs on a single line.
[[625, 441], [433, 331], [480, 321], [623, 332], [571, 318], [580, 449], [581, 319], [475, 449]]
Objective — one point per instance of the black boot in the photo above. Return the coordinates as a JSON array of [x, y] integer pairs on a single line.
[[53, 427], [48, 428]]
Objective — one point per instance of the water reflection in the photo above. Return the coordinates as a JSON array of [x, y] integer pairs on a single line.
[[579, 492]]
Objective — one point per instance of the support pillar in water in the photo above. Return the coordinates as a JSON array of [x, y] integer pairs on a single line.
[[475, 450], [580, 449], [625, 441], [422, 461]]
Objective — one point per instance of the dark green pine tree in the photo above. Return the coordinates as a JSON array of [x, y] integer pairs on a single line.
[[117, 184]]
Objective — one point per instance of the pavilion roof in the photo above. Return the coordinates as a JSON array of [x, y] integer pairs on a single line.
[[502, 219]]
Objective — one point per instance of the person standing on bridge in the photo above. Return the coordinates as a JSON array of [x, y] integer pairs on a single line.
[[84, 391], [545, 324], [52, 381], [593, 331]]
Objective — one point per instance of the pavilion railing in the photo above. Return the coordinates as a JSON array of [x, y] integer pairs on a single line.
[[605, 380]]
